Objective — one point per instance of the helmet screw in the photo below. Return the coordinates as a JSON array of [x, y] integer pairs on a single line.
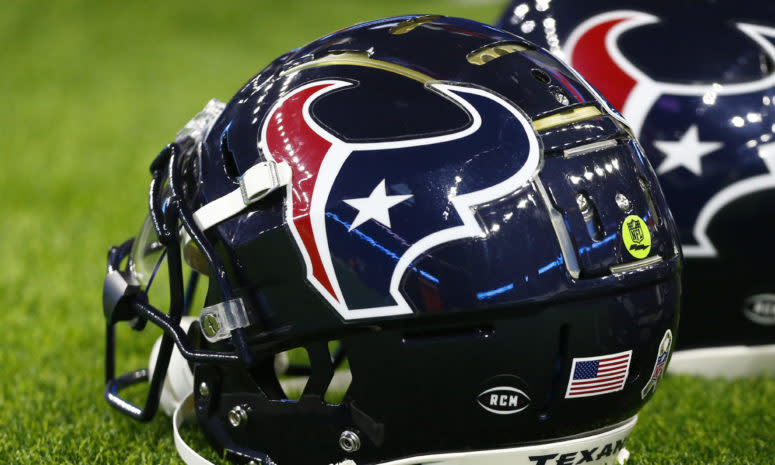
[[561, 98], [210, 325], [623, 202], [238, 415], [256, 462], [582, 202], [349, 441], [204, 389]]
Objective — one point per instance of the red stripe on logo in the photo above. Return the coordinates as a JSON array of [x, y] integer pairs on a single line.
[[591, 58], [290, 139]]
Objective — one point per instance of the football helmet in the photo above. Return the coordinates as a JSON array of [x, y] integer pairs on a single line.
[[440, 209], [696, 81]]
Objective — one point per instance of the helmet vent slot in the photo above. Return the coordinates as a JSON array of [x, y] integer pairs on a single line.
[[560, 230], [412, 23], [566, 117], [229, 160], [589, 148], [646, 188], [541, 76], [489, 53], [455, 334], [590, 215]]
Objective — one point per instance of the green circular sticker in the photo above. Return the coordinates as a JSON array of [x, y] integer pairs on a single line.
[[636, 236]]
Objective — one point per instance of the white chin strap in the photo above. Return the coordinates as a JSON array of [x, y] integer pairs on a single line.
[[183, 412], [606, 448], [177, 395]]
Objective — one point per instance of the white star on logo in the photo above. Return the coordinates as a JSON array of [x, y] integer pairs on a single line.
[[375, 207], [686, 152]]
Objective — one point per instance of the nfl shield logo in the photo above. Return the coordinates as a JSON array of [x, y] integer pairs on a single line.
[[636, 233]]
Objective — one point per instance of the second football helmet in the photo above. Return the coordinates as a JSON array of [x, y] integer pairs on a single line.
[[444, 210], [696, 81]]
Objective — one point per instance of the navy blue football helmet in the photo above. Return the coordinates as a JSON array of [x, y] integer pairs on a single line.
[[441, 211], [696, 81]]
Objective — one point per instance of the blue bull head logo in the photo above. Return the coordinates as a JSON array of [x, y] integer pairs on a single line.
[[705, 159], [362, 213]]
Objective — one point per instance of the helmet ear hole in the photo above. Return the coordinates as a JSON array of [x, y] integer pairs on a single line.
[[293, 375], [340, 382], [299, 368]]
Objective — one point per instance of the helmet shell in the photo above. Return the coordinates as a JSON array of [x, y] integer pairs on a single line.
[[456, 223]]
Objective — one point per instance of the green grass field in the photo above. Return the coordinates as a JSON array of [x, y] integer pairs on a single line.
[[90, 92]]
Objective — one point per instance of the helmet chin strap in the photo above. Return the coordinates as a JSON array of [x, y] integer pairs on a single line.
[[184, 411], [177, 395]]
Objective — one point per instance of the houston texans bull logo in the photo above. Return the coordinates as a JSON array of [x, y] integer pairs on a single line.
[[700, 158], [387, 203]]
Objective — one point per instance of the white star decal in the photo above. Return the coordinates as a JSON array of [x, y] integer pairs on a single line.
[[375, 207], [687, 152]]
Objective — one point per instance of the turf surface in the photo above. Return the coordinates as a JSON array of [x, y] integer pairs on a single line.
[[90, 92]]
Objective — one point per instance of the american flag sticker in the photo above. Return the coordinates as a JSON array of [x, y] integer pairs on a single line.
[[593, 376]]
